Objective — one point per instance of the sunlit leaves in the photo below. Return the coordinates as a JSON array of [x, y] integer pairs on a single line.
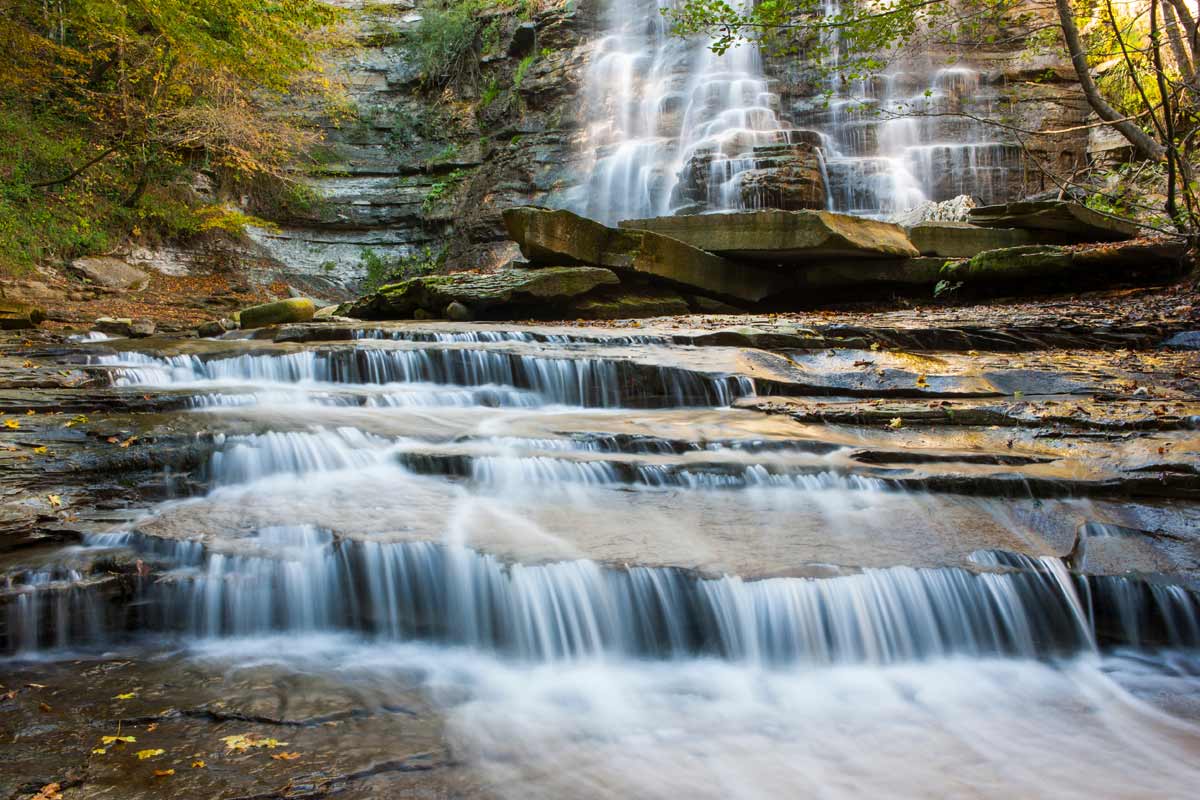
[[240, 743]]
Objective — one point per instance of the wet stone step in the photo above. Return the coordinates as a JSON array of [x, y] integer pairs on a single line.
[[301, 579]]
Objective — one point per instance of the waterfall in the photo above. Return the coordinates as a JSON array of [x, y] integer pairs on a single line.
[[300, 579], [670, 125], [673, 127]]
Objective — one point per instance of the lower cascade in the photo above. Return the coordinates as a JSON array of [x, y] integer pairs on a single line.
[[587, 564], [301, 580]]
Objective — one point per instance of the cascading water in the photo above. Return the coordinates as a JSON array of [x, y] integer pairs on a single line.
[[671, 125], [610, 578]]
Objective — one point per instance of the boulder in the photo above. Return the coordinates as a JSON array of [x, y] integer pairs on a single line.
[[111, 273], [963, 240], [516, 292], [1077, 222], [558, 237], [1044, 266], [953, 210], [215, 327], [295, 309], [459, 312], [784, 237], [18, 316], [125, 326], [787, 176]]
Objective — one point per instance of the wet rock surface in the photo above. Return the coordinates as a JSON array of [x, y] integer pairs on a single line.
[[820, 453]]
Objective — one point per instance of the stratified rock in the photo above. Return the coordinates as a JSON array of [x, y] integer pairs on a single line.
[[18, 316], [1079, 222], [557, 237], [1184, 340], [787, 176], [784, 176], [112, 273], [295, 309], [532, 291], [524, 40], [1041, 266], [963, 240], [784, 237]]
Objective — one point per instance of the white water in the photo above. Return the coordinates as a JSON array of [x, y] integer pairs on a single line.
[[674, 128], [547, 570], [654, 101]]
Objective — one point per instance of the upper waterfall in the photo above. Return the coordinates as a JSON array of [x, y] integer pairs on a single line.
[[674, 127]]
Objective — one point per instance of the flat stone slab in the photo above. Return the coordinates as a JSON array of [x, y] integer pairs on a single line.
[[112, 273], [556, 237], [480, 293], [1079, 222], [784, 237], [964, 240], [1037, 266]]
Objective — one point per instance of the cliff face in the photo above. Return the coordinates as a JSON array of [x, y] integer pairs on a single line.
[[416, 172]]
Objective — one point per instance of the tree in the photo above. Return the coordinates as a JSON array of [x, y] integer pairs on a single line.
[[149, 89]]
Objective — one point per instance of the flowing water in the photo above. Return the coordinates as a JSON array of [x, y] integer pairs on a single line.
[[674, 128], [615, 582]]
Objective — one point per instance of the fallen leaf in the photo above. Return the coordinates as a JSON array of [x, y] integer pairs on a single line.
[[44, 708], [41, 451], [241, 742], [29, 412], [99, 751], [922, 383], [874, 345], [285, 756], [198, 764], [144, 754], [49, 792], [126, 696], [162, 773], [27, 364], [54, 500], [12, 424], [152, 727], [896, 424], [106, 740]]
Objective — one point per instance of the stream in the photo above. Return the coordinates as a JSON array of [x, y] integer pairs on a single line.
[[542, 563]]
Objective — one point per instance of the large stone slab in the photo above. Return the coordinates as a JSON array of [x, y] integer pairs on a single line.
[[112, 273], [784, 237], [556, 237], [1076, 221], [964, 240], [1043, 266], [535, 292]]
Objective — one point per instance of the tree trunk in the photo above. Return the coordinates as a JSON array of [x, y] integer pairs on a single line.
[[1142, 142]]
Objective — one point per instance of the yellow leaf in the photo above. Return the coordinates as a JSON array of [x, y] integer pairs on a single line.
[[285, 756], [12, 424], [144, 754], [27, 364], [54, 500], [152, 727], [49, 792], [106, 740], [972, 353], [896, 424], [922, 383], [198, 764], [241, 742], [99, 751], [30, 412], [41, 451], [126, 696], [162, 773], [874, 345]]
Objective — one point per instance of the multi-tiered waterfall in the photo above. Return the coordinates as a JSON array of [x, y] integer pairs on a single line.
[[675, 128], [671, 124]]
